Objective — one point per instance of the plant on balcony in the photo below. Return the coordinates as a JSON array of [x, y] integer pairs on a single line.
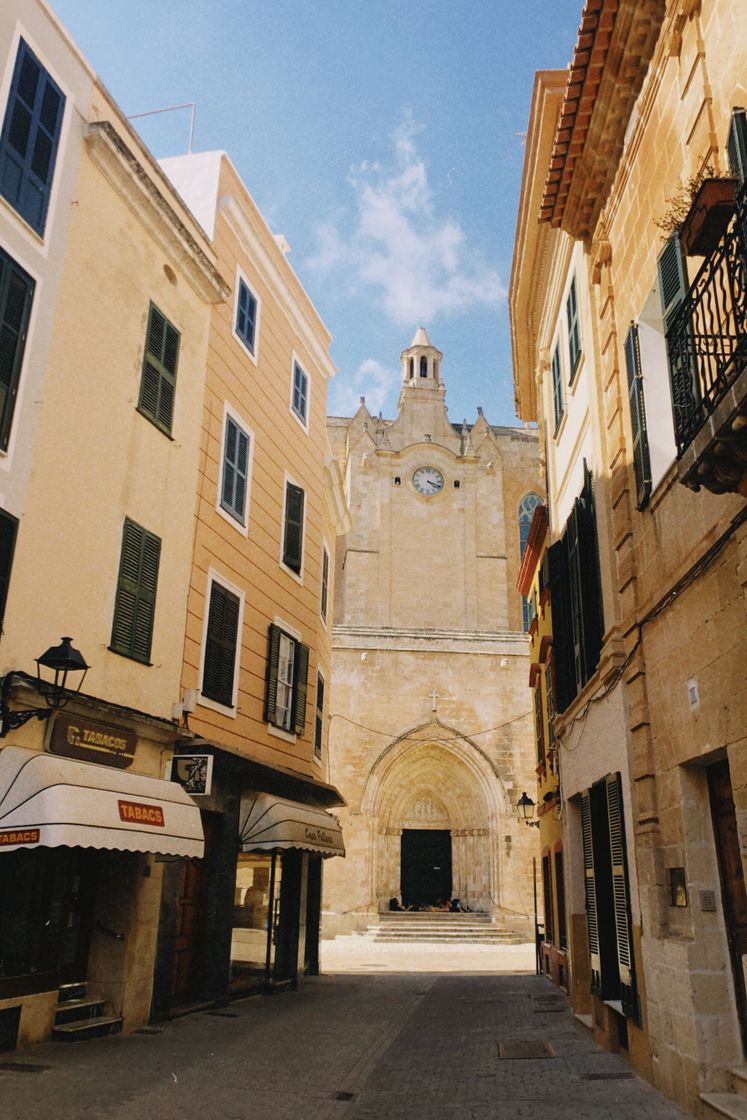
[[680, 203]]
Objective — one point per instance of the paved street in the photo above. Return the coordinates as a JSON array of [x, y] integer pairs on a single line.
[[349, 1046]]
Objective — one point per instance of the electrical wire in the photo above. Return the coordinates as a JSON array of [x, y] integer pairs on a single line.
[[403, 738]]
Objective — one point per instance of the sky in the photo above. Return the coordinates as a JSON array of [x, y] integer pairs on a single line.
[[384, 140]]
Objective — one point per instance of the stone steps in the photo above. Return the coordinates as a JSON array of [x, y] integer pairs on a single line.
[[732, 1105], [433, 927], [97, 1027], [79, 1016]]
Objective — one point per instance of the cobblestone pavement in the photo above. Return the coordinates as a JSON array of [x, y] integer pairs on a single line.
[[345, 1047]]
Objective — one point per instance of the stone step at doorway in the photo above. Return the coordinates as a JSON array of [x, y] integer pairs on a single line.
[[79, 1016], [425, 926]]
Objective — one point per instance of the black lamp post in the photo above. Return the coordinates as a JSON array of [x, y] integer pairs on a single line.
[[60, 660], [525, 807]]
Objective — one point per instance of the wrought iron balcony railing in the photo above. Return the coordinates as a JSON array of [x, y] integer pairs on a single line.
[[707, 338]]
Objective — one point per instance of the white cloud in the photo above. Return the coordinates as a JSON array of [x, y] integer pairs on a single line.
[[371, 379], [416, 261]]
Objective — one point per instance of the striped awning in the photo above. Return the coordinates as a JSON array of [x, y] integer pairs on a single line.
[[272, 824], [48, 801]]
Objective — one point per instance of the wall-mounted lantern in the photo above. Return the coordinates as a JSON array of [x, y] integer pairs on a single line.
[[525, 807], [59, 661]]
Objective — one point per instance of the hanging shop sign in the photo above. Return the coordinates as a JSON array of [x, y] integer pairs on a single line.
[[89, 740], [194, 773]]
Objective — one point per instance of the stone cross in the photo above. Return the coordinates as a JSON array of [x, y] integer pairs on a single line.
[[434, 700]]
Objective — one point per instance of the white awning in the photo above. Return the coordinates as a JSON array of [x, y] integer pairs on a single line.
[[271, 824], [48, 801]]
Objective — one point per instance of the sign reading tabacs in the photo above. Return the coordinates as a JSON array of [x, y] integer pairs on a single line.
[[136, 812], [88, 740]]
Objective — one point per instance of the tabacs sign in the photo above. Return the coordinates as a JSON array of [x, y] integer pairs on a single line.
[[88, 740], [194, 773]]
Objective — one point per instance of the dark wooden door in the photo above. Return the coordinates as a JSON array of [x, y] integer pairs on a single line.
[[190, 924], [76, 913], [425, 866], [732, 877]]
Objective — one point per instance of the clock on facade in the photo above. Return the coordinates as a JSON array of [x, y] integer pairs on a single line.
[[428, 480]]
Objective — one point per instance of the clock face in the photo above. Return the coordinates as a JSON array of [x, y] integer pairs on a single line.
[[428, 480]]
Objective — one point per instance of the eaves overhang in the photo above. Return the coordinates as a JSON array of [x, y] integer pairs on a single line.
[[615, 44]]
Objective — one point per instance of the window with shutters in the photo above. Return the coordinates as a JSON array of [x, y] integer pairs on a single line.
[[235, 475], [319, 721], [286, 682], [293, 527], [557, 388], [246, 316], [576, 596], [560, 899], [300, 394], [608, 895], [539, 729], [221, 644], [574, 331], [637, 404], [325, 584], [30, 139], [8, 530], [550, 702], [158, 379], [135, 602], [16, 294]]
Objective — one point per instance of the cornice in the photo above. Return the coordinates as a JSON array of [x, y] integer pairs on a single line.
[[241, 227], [132, 182], [501, 642], [616, 42]]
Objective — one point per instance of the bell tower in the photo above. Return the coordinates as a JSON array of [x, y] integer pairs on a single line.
[[421, 363]]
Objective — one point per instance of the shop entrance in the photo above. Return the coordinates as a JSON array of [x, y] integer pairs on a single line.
[[732, 877], [425, 866]]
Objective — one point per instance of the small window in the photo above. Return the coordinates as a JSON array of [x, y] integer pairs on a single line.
[[16, 294], [293, 528], [286, 681], [397, 480], [135, 604], [457, 484], [158, 381], [325, 584], [557, 387], [424, 366], [219, 667], [300, 397], [247, 309], [574, 331], [30, 138], [235, 473], [319, 723]]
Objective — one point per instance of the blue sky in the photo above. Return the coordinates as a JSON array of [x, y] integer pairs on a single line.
[[384, 140]]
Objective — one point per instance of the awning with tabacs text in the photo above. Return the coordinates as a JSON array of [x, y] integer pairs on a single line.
[[273, 824], [48, 801]]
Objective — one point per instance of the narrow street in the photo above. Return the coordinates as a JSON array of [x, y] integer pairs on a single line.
[[352, 1046]]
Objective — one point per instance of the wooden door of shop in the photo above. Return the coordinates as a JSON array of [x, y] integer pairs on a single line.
[[190, 924], [732, 878]]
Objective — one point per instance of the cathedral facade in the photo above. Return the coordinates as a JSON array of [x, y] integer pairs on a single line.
[[430, 738]]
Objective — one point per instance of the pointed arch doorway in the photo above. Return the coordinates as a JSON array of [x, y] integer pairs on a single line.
[[434, 811]]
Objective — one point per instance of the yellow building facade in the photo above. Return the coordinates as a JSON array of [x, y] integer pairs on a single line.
[[91, 548], [651, 198]]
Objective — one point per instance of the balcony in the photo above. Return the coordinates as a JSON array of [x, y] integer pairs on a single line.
[[707, 347]]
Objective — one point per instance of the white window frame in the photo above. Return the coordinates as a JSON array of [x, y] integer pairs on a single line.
[[301, 421], [242, 277], [297, 576], [272, 729], [229, 411], [214, 577]]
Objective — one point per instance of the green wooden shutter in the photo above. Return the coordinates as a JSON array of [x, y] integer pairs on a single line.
[[271, 677], [16, 293], [539, 731], [557, 387], [737, 144], [547, 895], [590, 892], [158, 381], [235, 470], [641, 459], [319, 722], [574, 331], [219, 667], [562, 627], [293, 534], [8, 529], [621, 894], [571, 537], [325, 583], [135, 603], [300, 687], [672, 280], [592, 609]]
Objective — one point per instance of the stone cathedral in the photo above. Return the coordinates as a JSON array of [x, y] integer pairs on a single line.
[[430, 736]]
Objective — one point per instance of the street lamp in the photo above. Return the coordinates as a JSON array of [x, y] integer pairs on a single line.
[[60, 660], [525, 807]]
